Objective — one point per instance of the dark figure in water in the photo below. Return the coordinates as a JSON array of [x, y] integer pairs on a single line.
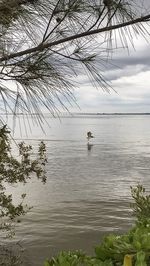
[[89, 135], [89, 146]]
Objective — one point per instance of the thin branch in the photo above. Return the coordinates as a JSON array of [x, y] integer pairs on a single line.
[[60, 21], [44, 36], [100, 14], [44, 46]]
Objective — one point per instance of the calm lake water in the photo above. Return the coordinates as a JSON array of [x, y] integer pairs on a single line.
[[87, 193]]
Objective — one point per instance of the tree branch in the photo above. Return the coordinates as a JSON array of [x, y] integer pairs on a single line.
[[44, 46]]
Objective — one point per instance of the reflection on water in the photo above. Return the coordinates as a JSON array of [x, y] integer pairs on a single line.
[[85, 196], [89, 146]]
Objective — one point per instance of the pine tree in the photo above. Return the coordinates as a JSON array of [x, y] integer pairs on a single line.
[[44, 43]]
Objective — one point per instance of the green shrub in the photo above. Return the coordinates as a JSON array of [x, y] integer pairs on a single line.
[[13, 171], [76, 258]]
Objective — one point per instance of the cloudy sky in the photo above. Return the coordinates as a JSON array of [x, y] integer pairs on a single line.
[[129, 76], [128, 73]]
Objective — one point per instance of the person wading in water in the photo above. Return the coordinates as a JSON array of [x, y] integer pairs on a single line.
[[89, 135]]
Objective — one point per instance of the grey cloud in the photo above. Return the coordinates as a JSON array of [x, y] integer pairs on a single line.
[[136, 58], [128, 64]]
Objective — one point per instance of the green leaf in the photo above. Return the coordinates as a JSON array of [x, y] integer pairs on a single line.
[[140, 259], [46, 263]]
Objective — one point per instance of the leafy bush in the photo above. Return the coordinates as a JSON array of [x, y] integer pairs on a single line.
[[76, 258], [17, 171], [141, 204]]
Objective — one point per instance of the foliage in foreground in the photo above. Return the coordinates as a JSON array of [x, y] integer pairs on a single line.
[[10, 256], [76, 258], [130, 249], [13, 171]]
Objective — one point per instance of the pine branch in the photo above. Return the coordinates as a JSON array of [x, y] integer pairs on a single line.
[[43, 46]]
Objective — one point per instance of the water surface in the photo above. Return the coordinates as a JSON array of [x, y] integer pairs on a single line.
[[87, 193]]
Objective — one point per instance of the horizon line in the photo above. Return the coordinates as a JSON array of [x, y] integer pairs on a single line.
[[81, 113]]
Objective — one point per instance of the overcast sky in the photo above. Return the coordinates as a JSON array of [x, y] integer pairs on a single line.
[[129, 75]]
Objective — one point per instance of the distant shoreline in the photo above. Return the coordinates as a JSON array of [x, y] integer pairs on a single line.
[[111, 113], [73, 114]]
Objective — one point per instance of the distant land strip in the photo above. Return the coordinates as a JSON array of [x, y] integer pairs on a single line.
[[73, 114]]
